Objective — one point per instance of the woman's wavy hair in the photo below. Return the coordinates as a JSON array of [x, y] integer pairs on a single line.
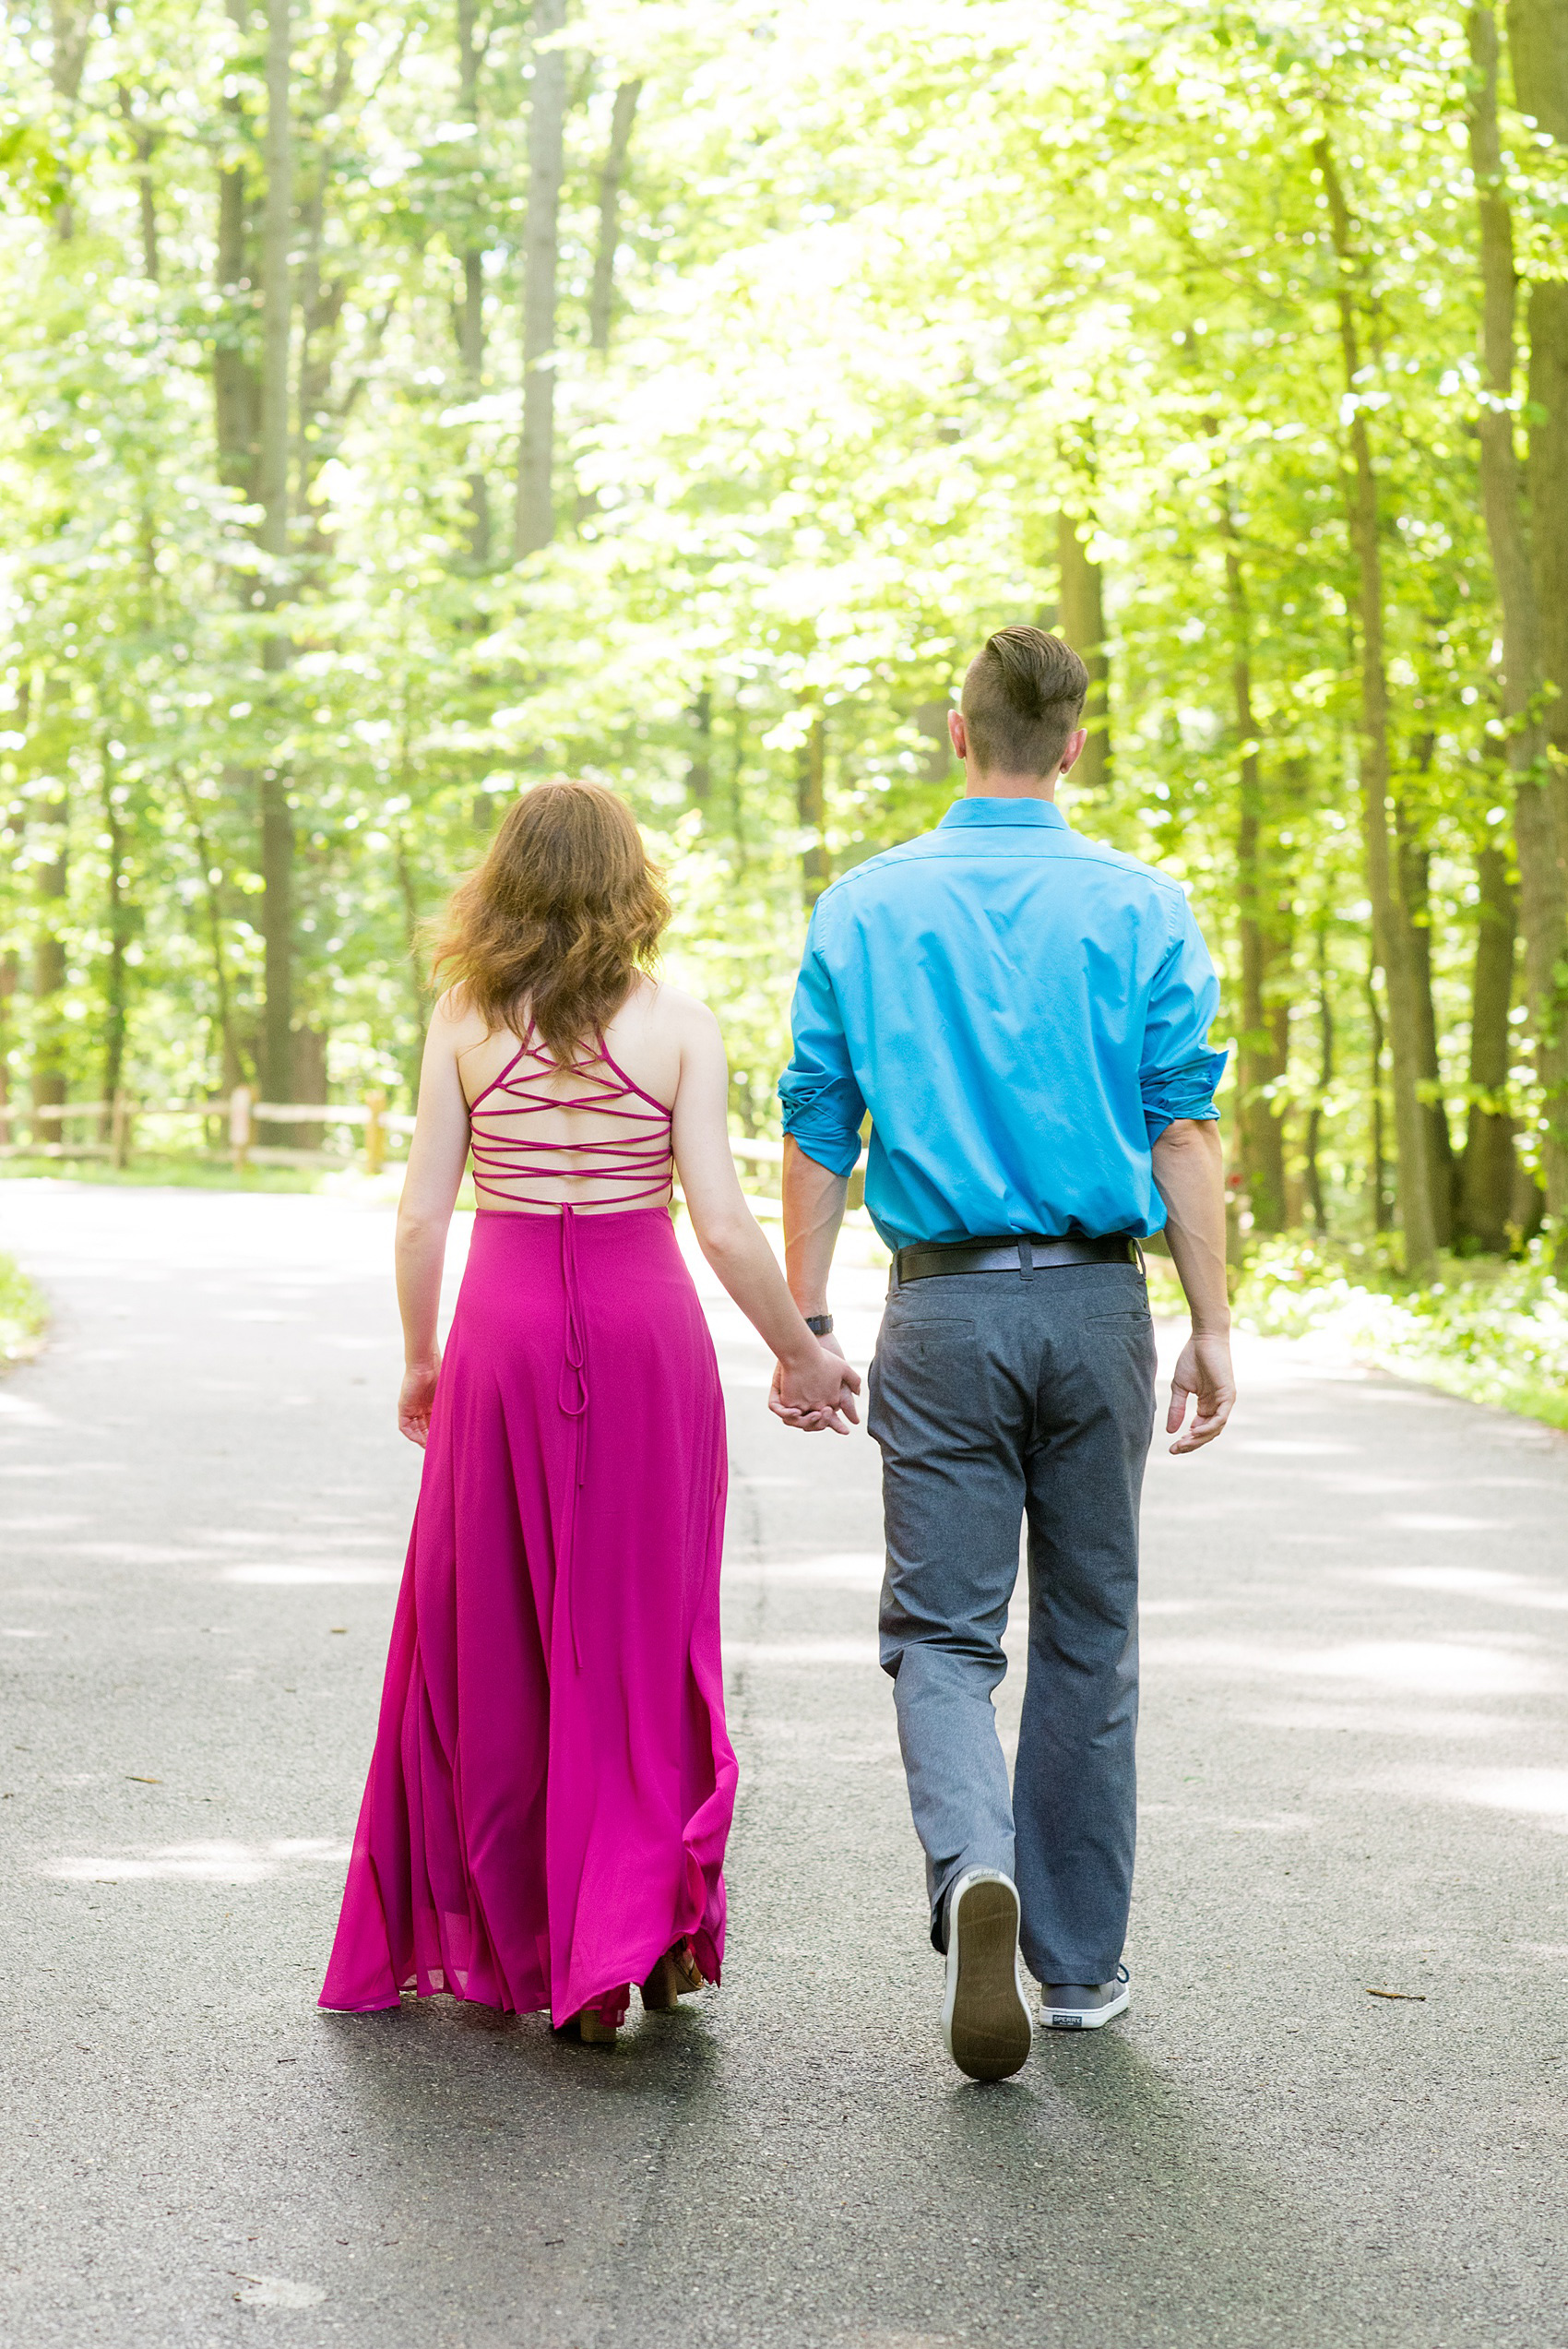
[[559, 920]]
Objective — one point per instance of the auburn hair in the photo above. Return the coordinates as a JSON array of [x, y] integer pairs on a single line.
[[559, 920]]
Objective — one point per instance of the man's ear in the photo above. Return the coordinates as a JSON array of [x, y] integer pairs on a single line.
[[1075, 749], [959, 734]]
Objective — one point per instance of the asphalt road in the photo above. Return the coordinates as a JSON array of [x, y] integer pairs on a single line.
[[1355, 1778]]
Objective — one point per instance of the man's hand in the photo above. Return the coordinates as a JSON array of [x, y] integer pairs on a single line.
[[1203, 1374], [804, 1404]]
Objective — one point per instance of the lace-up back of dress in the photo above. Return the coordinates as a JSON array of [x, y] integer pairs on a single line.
[[547, 1135]]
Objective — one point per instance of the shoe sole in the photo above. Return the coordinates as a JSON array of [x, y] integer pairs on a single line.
[[986, 2023], [1086, 2018]]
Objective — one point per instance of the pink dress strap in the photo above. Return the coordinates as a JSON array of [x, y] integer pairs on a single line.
[[623, 1149]]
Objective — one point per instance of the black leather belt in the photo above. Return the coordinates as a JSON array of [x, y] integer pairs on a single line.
[[925, 1259]]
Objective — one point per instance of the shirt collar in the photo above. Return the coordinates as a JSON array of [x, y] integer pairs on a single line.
[[1033, 812]]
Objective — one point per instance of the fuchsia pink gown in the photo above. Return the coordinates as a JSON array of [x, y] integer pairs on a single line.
[[552, 1787]]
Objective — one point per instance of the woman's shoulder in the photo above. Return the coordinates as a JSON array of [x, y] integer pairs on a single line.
[[661, 1034], [455, 1022], [688, 1012], [666, 1011]]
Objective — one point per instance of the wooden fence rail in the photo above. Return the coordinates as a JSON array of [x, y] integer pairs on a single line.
[[240, 1113]]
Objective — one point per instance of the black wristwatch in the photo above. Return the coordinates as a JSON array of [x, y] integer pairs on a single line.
[[819, 1324]]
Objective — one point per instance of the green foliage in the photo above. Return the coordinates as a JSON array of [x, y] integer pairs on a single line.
[[1497, 1335], [895, 287], [23, 1314]]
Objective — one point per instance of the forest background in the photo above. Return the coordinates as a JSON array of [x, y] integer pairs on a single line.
[[397, 409]]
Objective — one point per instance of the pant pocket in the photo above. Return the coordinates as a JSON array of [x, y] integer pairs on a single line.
[[926, 1384]]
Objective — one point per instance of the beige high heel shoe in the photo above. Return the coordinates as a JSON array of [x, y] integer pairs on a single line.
[[593, 2031], [676, 1976]]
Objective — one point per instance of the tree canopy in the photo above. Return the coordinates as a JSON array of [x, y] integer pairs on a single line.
[[396, 410]]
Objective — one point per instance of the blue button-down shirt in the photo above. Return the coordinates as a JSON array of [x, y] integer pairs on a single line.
[[1022, 1011]]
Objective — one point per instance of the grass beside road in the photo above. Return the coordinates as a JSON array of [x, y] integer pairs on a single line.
[[23, 1314], [1493, 1332], [179, 1168]]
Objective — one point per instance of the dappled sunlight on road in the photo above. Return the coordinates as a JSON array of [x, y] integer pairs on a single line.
[[214, 1862], [854, 1571], [1473, 1583], [324, 1570], [1539, 1794], [1445, 1668]]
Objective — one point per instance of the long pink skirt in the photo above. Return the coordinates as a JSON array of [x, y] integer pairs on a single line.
[[551, 1788]]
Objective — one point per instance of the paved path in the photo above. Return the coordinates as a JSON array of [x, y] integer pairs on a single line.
[[1355, 1776]]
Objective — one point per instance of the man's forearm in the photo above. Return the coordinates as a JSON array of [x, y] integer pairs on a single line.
[[814, 1210], [1189, 1172]]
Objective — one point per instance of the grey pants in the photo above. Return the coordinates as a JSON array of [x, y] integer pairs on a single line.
[[996, 1398]]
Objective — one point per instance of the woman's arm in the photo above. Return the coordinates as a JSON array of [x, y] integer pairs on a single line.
[[436, 1158], [813, 1380]]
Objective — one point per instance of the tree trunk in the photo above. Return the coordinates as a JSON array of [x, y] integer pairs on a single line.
[[534, 523], [236, 381], [142, 144], [1326, 1079], [309, 1084], [120, 925], [601, 298], [417, 966], [236, 401], [50, 1042], [10, 978], [1082, 615], [1537, 42], [1263, 1041], [699, 766], [1486, 1174], [70, 29], [1412, 1186], [233, 1067], [276, 823], [811, 800], [1415, 888], [1377, 1170], [470, 315], [737, 785]]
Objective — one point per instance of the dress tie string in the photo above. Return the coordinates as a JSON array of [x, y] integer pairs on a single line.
[[573, 1403]]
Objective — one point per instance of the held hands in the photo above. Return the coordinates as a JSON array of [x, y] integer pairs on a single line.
[[415, 1397], [816, 1391], [1203, 1373]]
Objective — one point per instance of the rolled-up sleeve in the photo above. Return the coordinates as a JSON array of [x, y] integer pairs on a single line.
[[823, 1106], [1178, 1074]]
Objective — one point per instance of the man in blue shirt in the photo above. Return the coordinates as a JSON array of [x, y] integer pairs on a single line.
[[1025, 1015]]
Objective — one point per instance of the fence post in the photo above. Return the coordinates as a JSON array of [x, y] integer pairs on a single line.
[[240, 1126], [374, 1133], [120, 1131]]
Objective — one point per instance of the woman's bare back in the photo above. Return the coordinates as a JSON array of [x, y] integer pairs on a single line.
[[594, 1136]]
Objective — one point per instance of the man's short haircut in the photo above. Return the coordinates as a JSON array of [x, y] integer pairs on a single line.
[[1021, 700]]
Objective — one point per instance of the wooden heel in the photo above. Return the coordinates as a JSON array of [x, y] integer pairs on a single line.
[[595, 2032], [676, 1976], [662, 1988]]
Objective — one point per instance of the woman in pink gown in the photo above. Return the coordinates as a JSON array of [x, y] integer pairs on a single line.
[[552, 1786]]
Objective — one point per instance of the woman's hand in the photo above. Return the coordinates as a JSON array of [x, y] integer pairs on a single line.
[[814, 1391], [415, 1398]]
